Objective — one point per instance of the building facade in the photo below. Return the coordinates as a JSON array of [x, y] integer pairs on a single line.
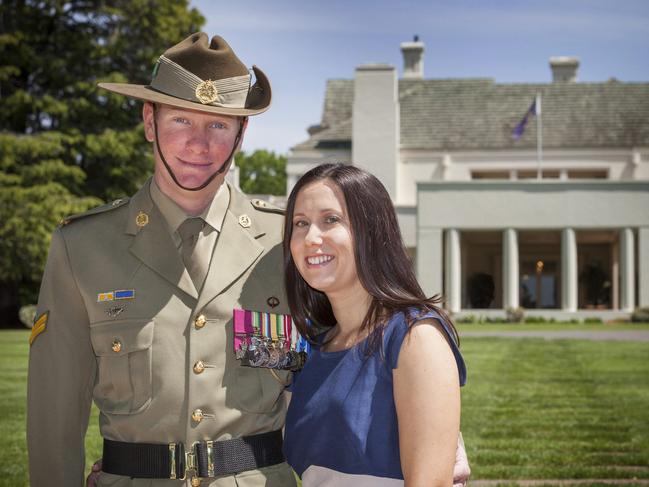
[[492, 221]]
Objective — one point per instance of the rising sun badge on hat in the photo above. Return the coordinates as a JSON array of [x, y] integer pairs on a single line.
[[206, 92]]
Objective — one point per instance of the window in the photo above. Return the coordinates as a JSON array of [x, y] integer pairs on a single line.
[[588, 174], [489, 174]]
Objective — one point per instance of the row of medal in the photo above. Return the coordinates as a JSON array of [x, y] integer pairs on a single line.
[[262, 352], [268, 340]]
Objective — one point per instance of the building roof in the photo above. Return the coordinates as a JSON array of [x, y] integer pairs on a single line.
[[470, 114]]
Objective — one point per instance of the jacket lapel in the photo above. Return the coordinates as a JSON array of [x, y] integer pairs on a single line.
[[153, 245], [235, 251]]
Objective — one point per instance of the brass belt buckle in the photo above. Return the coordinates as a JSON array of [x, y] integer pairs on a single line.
[[187, 460], [210, 458], [172, 461], [190, 458]]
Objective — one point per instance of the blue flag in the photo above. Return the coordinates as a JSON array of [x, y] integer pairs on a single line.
[[518, 131]]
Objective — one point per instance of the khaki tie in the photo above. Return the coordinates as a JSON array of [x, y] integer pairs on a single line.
[[195, 262]]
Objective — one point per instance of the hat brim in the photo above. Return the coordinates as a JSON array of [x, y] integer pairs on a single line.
[[257, 101]]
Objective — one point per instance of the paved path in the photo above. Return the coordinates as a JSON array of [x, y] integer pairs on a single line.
[[605, 335]]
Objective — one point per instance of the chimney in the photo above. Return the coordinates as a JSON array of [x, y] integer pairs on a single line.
[[375, 123], [564, 69], [413, 59]]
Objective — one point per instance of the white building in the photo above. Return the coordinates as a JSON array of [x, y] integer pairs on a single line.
[[484, 230]]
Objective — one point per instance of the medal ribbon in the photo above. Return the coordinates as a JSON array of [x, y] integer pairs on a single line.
[[273, 326]]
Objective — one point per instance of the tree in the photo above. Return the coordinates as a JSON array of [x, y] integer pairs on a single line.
[[66, 145], [262, 172]]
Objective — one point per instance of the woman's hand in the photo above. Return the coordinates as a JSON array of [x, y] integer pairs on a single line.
[[461, 470]]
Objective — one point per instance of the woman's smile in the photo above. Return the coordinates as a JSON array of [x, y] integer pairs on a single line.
[[319, 260]]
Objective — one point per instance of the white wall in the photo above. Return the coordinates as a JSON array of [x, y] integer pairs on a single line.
[[533, 205]]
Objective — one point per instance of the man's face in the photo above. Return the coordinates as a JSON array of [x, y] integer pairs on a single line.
[[194, 144]]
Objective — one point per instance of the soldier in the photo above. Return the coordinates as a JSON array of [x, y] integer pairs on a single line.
[[136, 303]]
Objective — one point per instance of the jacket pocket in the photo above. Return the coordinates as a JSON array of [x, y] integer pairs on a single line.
[[257, 390], [123, 351]]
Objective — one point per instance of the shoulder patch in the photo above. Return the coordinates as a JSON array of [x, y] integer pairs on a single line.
[[39, 326], [262, 205], [94, 211]]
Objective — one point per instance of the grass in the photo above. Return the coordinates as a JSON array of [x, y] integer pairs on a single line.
[[532, 409], [550, 326], [14, 351], [572, 409]]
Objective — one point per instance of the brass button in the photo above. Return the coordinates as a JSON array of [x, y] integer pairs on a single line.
[[200, 321], [199, 367], [196, 482], [117, 346], [197, 415]]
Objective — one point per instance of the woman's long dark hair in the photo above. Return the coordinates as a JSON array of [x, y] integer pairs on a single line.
[[383, 266]]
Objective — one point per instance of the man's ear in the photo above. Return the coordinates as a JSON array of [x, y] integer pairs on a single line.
[[244, 122], [148, 117]]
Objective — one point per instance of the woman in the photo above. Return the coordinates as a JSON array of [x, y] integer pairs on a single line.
[[378, 401]]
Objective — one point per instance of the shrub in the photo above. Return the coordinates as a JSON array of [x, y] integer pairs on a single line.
[[514, 315], [640, 315], [593, 319], [466, 319], [496, 320], [535, 319]]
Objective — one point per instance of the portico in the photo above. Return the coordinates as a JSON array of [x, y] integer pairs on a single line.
[[556, 248]]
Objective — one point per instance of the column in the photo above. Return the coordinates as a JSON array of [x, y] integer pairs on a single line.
[[627, 270], [510, 269], [429, 260], [615, 275], [453, 272], [643, 267], [568, 270]]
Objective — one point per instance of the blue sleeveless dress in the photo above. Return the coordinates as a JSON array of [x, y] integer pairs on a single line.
[[341, 425]]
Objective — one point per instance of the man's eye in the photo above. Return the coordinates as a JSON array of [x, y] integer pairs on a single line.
[[181, 120], [218, 125]]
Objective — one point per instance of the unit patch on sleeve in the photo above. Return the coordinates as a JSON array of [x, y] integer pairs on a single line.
[[39, 326]]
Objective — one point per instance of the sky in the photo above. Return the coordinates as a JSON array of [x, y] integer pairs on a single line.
[[300, 44]]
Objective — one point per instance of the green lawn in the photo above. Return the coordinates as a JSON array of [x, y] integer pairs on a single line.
[[532, 409], [13, 391], [535, 409], [550, 326]]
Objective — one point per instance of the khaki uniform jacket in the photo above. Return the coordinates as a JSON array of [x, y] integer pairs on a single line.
[[136, 357]]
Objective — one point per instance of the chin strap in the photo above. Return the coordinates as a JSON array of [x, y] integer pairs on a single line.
[[224, 167]]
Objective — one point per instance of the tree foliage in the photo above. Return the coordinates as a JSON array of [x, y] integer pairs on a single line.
[[262, 172], [65, 144]]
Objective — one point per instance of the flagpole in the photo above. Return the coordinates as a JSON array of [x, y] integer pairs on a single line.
[[539, 137]]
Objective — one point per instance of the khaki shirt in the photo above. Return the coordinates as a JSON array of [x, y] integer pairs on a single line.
[[136, 357]]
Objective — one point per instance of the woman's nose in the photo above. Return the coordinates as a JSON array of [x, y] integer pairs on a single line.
[[313, 235]]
